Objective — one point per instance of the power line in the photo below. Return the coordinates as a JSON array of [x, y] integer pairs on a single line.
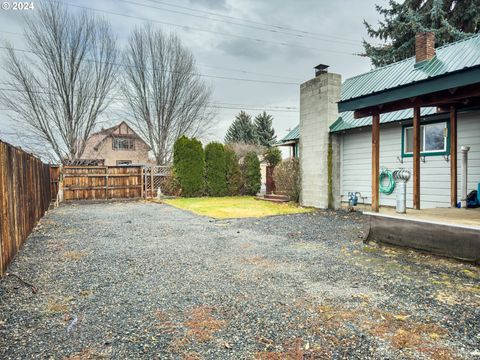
[[212, 105], [203, 65], [276, 26], [206, 30], [169, 71], [276, 31]]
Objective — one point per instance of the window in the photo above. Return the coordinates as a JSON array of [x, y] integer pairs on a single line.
[[434, 139], [295, 150], [124, 162], [120, 143]]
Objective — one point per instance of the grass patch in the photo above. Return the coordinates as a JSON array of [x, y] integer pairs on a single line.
[[57, 306], [74, 255], [235, 207]]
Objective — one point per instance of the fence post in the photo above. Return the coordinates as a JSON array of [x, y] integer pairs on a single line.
[[152, 185], [141, 182], [3, 193]]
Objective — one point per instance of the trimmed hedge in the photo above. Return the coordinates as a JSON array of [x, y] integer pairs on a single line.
[[189, 166], [251, 174], [215, 170], [233, 172]]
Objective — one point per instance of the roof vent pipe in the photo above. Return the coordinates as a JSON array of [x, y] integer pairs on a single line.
[[424, 46]]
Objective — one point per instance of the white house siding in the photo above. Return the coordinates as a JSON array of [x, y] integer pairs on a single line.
[[434, 173]]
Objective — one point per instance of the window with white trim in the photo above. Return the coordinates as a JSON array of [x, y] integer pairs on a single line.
[[123, 143], [433, 139]]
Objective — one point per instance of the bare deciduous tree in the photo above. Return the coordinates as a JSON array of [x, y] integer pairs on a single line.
[[166, 97], [60, 87]]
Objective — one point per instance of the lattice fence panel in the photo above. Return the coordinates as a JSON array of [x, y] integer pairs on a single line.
[[156, 174]]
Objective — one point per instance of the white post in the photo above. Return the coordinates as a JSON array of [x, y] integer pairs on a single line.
[[465, 150]]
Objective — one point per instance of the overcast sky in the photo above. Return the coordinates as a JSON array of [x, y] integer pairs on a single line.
[[239, 44]]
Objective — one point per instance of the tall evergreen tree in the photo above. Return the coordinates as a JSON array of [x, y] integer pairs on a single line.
[[265, 132], [251, 174], [189, 166], [242, 130], [215, 170], [233, 173], [449, 20]]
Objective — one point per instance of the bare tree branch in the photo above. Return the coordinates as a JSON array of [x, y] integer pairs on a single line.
[[166, 97], [61, 91]]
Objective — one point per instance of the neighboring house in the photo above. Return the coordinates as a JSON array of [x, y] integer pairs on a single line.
[[118, 145], [291, 140], [337, 139]]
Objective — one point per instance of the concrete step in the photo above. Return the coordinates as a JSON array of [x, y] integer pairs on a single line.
[[277, 197], [274, 198]]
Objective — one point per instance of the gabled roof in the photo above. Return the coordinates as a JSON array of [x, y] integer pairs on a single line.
[[111, 130], [347, 121], [103, 134], [450, 59], [292, 136]]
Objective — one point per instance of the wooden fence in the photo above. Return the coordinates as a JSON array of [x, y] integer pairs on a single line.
[[54, 180], [25, 195], [102, 182]]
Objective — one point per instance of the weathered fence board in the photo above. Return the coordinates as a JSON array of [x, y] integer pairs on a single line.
[[25, 194], [54, 180], [101, 182]]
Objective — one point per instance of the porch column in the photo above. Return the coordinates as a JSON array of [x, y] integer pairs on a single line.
[[375, 161], [416, 157], [453, 156]]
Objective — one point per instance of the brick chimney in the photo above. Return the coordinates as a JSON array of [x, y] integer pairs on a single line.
[[424, 46]]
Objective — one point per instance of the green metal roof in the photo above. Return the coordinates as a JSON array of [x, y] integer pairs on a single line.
[[347, 121], [293, 135], [451, 58]]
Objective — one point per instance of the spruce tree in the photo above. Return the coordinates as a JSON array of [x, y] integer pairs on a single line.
[[263, 127], [242, 130], [449, 20]]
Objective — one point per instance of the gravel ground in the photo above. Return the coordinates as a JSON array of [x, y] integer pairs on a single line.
[[144, 280]]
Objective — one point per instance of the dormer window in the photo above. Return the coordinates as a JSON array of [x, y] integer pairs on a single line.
[[123, 143]]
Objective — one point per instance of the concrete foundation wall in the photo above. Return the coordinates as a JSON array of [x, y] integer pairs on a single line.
[[461, 242], [318, 110]]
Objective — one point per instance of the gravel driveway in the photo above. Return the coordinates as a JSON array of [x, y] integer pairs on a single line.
[[145, 280]]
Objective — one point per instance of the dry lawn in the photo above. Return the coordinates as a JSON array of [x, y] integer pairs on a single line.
[[235, 207]]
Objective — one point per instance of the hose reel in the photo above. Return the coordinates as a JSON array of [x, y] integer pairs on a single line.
[[389, 187]]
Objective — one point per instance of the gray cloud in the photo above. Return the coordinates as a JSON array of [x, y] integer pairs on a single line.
[[248, 49], [212, 4]]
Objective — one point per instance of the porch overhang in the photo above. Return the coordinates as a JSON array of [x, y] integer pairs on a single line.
[[430, 92], [447, 94], [286, 143]]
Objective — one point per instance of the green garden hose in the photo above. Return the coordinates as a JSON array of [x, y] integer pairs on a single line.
[[390, 186]]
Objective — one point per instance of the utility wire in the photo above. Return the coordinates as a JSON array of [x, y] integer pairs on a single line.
[[169, 71], [276, 26], [276, 31], [203, 65], [210, 105], [206, 30]]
